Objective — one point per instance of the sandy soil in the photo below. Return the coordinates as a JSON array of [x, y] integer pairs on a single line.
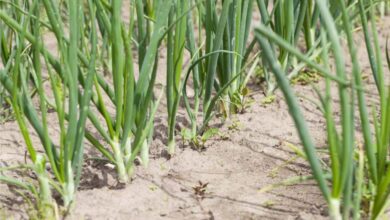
[[249, 153]]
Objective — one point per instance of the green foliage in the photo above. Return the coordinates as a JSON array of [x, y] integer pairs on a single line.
[[199, 141], [104, 71], [349, 172]]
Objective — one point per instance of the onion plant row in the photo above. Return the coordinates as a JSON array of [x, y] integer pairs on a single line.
[[80, 92], [359, 175]]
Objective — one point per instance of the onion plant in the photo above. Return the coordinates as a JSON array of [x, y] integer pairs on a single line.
[[228, 33], [175, 52], [74, 80], [219, 61], [130, 128], [378, 151], [126, 132], [348, 179], [65, 153], [290, 19], [297, 23]]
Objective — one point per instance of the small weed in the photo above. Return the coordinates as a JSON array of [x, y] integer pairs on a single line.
[[235, 126], [268, 100], [153, 188], [306, 77], [199, 141], [241, 101], [268, 203]]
